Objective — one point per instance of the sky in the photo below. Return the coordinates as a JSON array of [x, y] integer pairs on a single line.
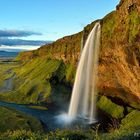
[[32, 23]]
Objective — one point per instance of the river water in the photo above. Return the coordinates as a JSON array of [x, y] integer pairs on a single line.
[[46, 117]]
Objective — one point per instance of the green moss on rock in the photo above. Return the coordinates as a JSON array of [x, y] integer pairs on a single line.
[[110, 108], [134, 21], [70, 73], [131, 121], [108, 25], [129, 128]]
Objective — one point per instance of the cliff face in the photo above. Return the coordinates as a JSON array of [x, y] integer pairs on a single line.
[[119, 66], [120, 53], [66, 49]]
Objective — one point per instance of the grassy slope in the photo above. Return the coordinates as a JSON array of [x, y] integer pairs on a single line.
[[11, 119], [34, 80]]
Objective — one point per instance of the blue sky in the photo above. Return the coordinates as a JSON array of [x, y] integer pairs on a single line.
[[51, 19]]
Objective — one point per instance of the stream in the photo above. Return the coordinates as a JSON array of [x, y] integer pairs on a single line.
[[46, 117]]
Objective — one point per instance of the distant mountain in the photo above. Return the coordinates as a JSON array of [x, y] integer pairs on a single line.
[[8, 54], [14, 42]]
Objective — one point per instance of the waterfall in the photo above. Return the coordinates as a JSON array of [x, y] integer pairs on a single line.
[[82, 41], [84, 91]]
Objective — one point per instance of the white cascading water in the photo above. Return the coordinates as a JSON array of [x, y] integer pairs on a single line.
[[84, 91]]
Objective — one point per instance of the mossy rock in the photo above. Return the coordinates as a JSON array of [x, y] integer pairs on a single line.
[[129, 128], [70, 73], [131, 121], [112, 109], [129, 109], [134, 21]]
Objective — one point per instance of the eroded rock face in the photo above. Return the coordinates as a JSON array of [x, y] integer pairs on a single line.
[[119, 67], [66, 49], [120, 54]]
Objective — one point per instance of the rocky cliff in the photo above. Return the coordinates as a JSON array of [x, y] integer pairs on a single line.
[[120, 54], [119, 66]]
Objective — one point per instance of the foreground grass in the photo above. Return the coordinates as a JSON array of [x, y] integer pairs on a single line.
[[57, 135], [129, 130], [65, 135]]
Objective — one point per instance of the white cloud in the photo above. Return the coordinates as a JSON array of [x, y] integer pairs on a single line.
[[18, 48]]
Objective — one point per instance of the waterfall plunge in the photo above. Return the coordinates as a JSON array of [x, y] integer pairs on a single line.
[[84, 91]]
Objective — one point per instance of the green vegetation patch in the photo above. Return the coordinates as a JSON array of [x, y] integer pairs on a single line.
[[11, 119], [38, 107], [34, 80], [70, 73], [110, 108], [109, 24], [134, 25], [75, 134], [131, 122], [129, 128]]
